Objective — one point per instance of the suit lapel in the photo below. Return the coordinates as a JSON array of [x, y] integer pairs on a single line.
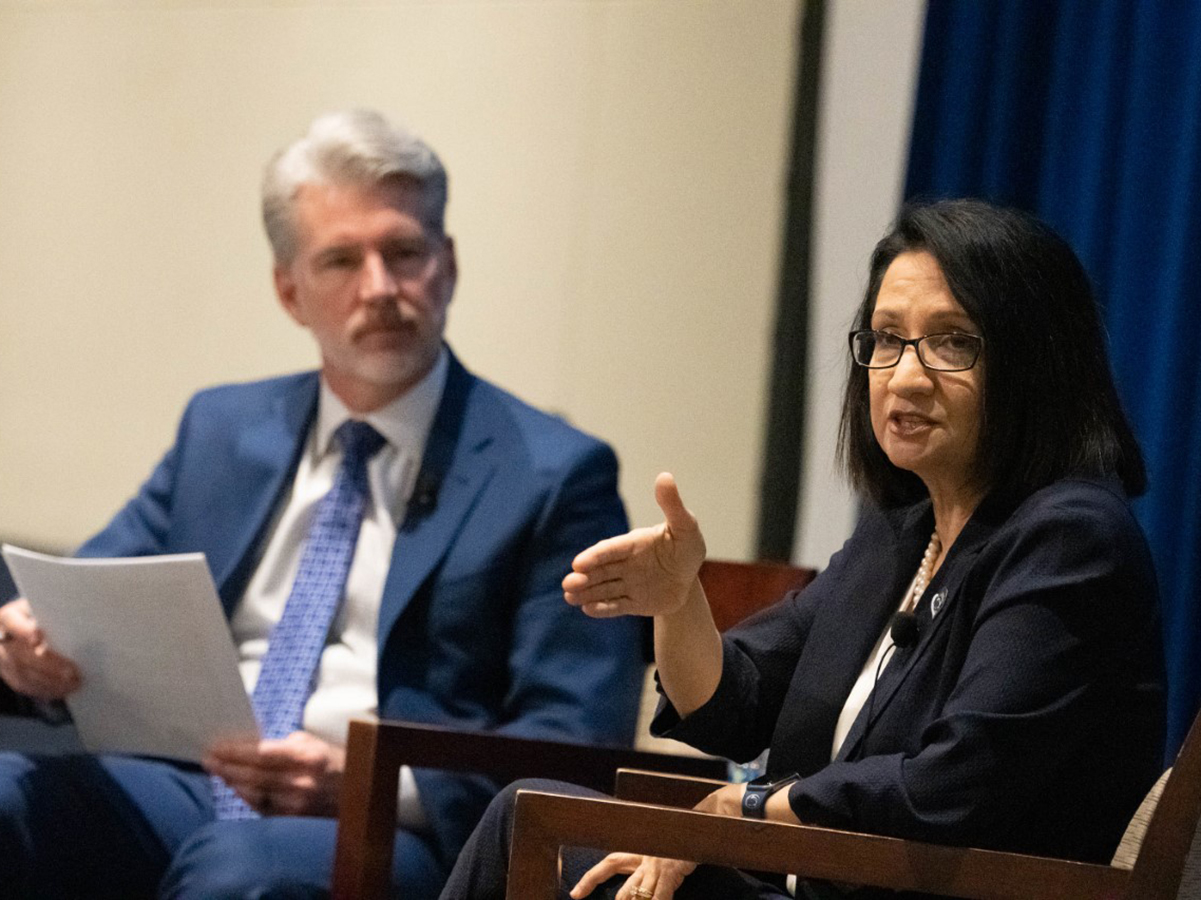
[[946, 586], [266, 453], [456, 467], [842, 638]]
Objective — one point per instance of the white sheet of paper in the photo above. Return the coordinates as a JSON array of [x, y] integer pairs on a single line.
[[160, 672]]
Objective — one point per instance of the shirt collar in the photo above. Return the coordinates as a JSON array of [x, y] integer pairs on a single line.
[[405, 422]]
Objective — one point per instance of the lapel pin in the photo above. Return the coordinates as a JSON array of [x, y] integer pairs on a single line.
[[937, 601]]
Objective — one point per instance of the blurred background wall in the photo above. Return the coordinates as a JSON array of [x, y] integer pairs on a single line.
[[616, 195]]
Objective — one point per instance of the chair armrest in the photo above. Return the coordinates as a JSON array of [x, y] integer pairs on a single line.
[[684, 791], [376, 750], [545, 822], [366, 814]]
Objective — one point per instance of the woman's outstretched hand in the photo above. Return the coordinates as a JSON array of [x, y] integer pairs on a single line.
[[647, 572]]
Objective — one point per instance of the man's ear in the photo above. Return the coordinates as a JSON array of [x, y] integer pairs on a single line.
[[285, 290], [451, 262]]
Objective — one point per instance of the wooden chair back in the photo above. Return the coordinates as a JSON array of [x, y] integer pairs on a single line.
[[738, 589], [1172, 831]]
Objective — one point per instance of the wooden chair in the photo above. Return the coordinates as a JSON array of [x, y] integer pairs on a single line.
[[1150, 864], [376, 749]]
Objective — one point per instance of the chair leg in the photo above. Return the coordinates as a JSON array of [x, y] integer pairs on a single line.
[[367, 817]]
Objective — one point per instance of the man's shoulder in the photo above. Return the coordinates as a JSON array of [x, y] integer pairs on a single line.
[[251, 398], [547, 438]]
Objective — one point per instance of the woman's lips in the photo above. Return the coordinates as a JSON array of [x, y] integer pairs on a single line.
[[906, 424]]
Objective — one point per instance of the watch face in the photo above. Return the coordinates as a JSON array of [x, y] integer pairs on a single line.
[[752, 801]]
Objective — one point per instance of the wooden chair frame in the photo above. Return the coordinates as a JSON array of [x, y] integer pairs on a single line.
[[546, 822], [376, 750]]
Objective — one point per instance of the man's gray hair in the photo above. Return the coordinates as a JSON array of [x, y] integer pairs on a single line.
[[355, 147]]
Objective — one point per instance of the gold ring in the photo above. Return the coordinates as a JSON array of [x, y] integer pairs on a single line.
[[642, 893]]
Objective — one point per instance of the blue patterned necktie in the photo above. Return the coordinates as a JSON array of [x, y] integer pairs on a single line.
[[289, 669]]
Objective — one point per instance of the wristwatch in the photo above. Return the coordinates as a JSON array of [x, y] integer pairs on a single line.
[[754, 801]]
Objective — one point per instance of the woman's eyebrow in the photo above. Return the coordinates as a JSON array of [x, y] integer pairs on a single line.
[[953, 319]]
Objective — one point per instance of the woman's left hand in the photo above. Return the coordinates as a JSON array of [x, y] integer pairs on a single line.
[[650, 876], [660, 877]]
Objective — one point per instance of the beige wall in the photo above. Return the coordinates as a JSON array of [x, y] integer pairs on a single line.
[[868, 84], [616, 172]]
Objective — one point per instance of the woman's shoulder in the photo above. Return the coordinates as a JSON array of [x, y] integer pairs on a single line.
[[1072, 524], [1095, 504]]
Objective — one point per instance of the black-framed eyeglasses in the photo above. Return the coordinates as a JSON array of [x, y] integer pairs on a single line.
[[953, 351]]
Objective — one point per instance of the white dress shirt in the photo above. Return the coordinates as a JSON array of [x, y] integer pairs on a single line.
[[346, 678], [877, 662]]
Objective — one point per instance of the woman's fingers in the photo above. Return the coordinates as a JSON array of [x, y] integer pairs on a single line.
[[613, 553], [683, 545], [598, 578], [592, 592], [650, 877], [655, 879], [638, 887], [667, 495], [613, 864], [608, 609]]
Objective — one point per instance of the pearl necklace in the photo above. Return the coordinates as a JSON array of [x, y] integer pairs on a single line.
[[925, 571]]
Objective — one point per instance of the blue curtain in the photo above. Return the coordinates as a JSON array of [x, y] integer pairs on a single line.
[[1086, 113]]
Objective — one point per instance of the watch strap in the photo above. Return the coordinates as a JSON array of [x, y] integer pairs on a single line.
[[754, 798]]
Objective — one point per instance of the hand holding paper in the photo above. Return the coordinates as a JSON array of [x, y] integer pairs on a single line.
[[158, 669], [27, 662]]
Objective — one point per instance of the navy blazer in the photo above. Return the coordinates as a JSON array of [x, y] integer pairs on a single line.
[[473, 629], [1028, 716]]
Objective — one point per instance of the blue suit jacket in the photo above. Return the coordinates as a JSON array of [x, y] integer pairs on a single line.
[[473, 629], [1028, 716]]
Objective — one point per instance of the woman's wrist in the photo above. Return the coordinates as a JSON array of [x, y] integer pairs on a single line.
[[688, 653], [694, 605], [779, 808], [759, 793]]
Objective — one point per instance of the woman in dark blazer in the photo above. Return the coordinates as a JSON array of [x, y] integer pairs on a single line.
[[981, 663]]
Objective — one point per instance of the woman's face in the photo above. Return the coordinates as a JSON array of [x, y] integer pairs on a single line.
[[926, 422]]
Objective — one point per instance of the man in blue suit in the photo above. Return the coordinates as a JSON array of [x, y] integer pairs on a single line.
[[452, 518]]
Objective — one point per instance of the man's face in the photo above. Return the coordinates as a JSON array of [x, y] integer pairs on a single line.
[[372, 283]]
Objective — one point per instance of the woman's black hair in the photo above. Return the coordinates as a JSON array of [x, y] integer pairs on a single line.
[[1050, 407]]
